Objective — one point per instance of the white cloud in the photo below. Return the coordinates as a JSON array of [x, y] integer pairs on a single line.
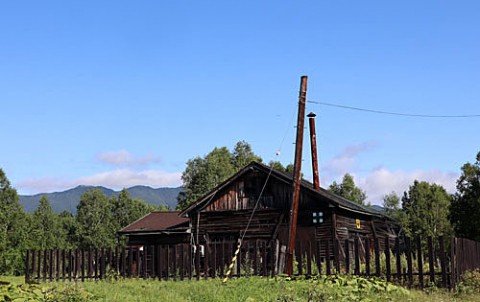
[[382, 181], [123, 158], [43, 185], [345, 162], [126, 178], [115, 179]]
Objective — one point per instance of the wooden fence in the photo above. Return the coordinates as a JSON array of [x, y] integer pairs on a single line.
[[417, 263]]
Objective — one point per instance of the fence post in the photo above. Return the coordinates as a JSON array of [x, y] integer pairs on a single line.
[[50, 260], [329, 269], [298, 253], [367, 257], [431, 260], [347, 257], [27, 267], [399, 263], [144, 262], [309, 258], [443, 262], [409, 261], [64, 262], [318, 247], [103, 264], [377, 257], [420, 261], [33, 264], [357, 256], [197, 262], [167, 261], [158, 261], [39, 264], [75, 265], [57, 266], [453, 282], [182, 261], [336, 250], [387, 257]]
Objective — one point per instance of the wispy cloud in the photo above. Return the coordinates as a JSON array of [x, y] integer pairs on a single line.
[[115, 179], [123, 158], [345, 161]]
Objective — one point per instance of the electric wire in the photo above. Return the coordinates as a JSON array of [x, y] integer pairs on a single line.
[[240, 241], [394, 113]]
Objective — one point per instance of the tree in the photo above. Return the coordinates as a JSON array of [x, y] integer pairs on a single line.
[[95, 223], [465, 207], [243, 155], [13, 229], [68, 228], [348, 190], [391, 203], [426, 208], [46, 229], [126, 210], [202, 174]]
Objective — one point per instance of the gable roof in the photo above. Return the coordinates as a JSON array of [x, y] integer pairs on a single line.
[[157, 221], [334, 199]]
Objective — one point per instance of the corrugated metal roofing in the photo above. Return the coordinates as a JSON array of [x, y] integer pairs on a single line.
[[156, 222]]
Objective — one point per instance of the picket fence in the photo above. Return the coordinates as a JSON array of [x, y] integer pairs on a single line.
[[410, 262]]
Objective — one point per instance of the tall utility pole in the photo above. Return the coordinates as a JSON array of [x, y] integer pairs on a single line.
[[297, 167]]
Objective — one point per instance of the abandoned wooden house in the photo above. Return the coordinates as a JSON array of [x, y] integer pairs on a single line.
[[261, 197], [223, 213]]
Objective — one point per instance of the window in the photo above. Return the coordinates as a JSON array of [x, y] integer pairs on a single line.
[[317, 217]]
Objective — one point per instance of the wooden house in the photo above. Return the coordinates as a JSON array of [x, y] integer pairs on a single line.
[[260, 197]]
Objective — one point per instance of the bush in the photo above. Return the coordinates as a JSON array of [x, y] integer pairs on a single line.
[[470, 282], [35, 292]]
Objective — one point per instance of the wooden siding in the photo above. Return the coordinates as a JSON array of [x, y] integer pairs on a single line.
[[230, 224], [227, 215]]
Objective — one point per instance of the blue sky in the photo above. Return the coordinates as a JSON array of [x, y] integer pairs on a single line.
[[118, 93]]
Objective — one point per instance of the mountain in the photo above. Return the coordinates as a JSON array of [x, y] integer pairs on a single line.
[[69, 199]]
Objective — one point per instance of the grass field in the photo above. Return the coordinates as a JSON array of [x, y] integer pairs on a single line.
[[244, 289]]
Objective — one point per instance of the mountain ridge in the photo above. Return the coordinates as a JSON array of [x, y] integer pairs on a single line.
[[68, 200]]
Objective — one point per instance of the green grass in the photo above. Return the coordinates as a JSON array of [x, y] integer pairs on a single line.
[[251, 289]]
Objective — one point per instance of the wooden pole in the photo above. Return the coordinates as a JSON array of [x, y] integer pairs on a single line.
[[292, 223]]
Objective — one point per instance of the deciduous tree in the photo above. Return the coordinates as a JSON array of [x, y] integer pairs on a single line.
[[13, 229], [95, 221], [465, 207], [426, 208], [202, 174], [348, 190]]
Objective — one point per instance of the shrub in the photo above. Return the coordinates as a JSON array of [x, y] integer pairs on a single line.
[[470, 282]]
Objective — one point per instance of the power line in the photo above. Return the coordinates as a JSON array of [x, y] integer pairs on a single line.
[[394, 113]]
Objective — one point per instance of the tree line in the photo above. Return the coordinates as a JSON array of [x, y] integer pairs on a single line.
[[95, 225], [425, 209]]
